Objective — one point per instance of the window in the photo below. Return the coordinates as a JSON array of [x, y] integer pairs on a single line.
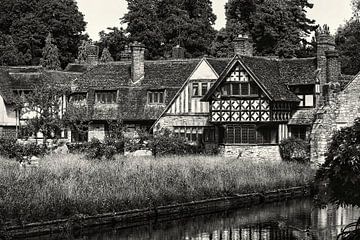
[[204, 88], [192, 134], [156, 97], [199, 89], [79, 135], [298, 132], [105, 97], [240, 89], [196, 90], [209, 134], [242, 134], [79, 98], [306, 100], [250, 134]]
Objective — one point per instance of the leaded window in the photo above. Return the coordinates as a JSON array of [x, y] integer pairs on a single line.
[[105, 97], [156, 97]]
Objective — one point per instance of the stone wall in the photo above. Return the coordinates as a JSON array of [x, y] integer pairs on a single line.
[[252, 153], [340, 111]]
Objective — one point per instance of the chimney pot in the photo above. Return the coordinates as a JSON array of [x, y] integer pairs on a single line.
[[178, 52]]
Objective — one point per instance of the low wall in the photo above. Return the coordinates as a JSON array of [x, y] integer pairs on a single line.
[[253, 152], [163, 213]]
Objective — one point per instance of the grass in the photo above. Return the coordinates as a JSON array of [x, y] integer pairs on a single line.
[[65, 185]]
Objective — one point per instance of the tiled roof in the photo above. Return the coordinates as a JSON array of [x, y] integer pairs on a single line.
[[267, 71], [218, 64], [75, 67], [303, 117], [24, 78], [298, 71], [166, 75]]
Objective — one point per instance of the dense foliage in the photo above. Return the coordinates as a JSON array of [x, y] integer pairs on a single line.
[[163, 24], [295, 150], [10, 148], [342, 166], [115, 41], [277, 27], [28, 22], [43, 106], [50, 55]]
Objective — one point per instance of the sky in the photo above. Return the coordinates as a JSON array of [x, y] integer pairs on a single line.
[[101, 14]]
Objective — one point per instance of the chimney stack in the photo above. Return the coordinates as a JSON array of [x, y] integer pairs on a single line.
[[327, 61], [93, 54], [178, 52], [243, 45], [137, 61]]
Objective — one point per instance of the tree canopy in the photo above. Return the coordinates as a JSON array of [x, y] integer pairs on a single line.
[[28, 22], [50, 53], [163, 24], [115, 41], [348, 42], [277, 27]]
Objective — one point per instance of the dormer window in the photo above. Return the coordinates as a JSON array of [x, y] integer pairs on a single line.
[[156, 96], [105, 97]]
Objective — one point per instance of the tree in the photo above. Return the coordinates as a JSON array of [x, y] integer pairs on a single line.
[[29, 22], [50, 59], [106, 56], [348, 44], [163, 24], [341, 172], [42, 107], [115, 41], [9, 54], [277, 27]]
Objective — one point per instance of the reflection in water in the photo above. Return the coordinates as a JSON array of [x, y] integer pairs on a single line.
[[293, 220]]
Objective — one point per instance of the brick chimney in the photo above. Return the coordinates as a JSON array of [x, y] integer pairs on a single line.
[[243, 45], [137, 61], [93, 53], [326, 51], [332, 66], [178, 52]]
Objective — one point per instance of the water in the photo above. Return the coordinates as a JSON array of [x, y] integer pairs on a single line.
[[293, 220]]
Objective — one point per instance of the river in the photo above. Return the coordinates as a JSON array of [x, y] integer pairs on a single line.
[[292, 220]]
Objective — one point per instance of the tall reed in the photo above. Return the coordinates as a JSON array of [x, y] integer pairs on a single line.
[[65, 185]]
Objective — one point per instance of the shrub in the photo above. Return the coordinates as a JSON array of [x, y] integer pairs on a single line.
[[10, 148], [295, 149], [166, 143], [95, 149]]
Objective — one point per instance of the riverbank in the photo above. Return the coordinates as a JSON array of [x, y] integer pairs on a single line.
[[67, 185]]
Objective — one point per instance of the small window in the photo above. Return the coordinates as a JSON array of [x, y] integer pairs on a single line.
[[196, 90], [236, 89], [254, 89], [156, 97], [78, 98], [192, 134], [204, 88], [105, 97], [244, 89], [298, 132]]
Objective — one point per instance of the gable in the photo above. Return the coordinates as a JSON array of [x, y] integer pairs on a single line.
[[203, 71], [264, 72], [238, 81]]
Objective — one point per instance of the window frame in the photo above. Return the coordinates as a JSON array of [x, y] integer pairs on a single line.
[[193, 134], [249, 134], [159, 95], [106, 95]]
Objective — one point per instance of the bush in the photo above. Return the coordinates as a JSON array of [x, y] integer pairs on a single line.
[[95, 149], [295, 149], [166, 143], [10, 148]]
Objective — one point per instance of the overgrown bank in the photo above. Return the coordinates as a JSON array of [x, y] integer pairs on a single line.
[[63, 186]]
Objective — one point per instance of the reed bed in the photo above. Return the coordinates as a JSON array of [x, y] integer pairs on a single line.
[[66, 185]]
